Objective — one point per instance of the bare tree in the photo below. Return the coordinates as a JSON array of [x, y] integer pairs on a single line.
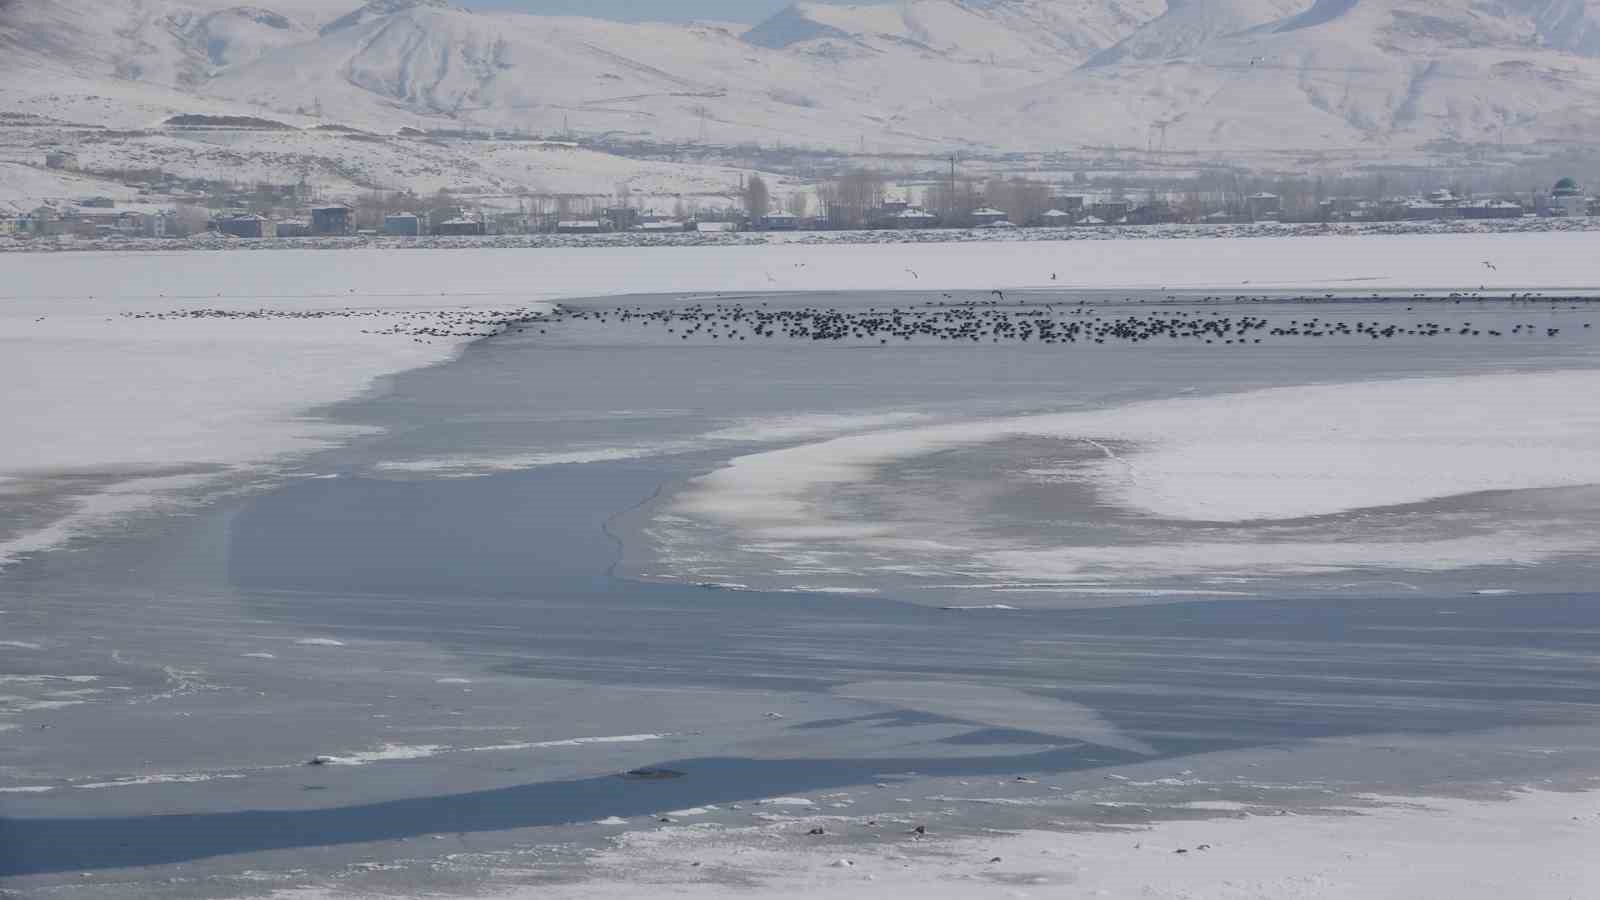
[[757, 199], [190, 220], [1023, 200], [799, 205], [954, 202], [849, 200]]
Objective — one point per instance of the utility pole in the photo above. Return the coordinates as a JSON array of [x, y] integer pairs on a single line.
[[952, 200]]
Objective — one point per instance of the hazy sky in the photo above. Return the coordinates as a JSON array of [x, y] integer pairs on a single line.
[[662, 10]]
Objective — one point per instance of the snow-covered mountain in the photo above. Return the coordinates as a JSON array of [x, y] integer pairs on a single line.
[[1206, 76], [1336, 74], [1189, 25], [164, 42], [1009, 30]]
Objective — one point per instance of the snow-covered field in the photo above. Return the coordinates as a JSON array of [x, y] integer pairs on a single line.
[[97, 392], [1534, 846]]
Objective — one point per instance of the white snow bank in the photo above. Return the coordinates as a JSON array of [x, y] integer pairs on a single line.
[[93, 391], [1277, 454], [89, 390], [1280, 453], [1535, 847]]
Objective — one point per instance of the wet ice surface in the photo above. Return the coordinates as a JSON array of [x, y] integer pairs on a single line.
[[442, 622]]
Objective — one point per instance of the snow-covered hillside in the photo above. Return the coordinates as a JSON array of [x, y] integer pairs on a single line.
[[166, 42], [1008, 30], [1342, 73], [1189, 25], [1218, 78]]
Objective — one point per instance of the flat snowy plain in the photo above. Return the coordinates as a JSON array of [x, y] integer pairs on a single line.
[[113, 416]]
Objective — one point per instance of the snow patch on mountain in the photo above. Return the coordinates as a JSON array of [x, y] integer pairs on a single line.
[[1188, 25], [377, 9]]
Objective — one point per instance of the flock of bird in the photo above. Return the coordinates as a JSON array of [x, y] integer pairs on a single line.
[[995, 321], [989, 319], [422, 326]]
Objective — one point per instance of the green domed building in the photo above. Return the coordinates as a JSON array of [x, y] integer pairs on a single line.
[[1567, 199]]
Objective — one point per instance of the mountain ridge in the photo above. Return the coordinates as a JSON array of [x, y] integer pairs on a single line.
[[1203, 76]]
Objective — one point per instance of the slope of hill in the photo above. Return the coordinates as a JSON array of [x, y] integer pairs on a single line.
[[1225, 77], [1189, 25], [552, 74], [994, 31], [164, 42], [1343, 73]]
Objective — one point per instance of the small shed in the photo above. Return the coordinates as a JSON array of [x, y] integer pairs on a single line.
[[581, 226]]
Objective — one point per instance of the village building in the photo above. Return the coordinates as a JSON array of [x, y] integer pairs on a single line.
[[101, 222], [294, 228], [1071, 204], [781, 221], [458, 227], [622, 218], [665, 226], [333, 220], [1491, 209], [894, 207], [1263, 206], [63, 160], [581, 226], [402, 225], [1056, 217], [716, 227], [1111, 211], [43, 221], [914, 218], [1567, 199], [987, 215], [247, 226], [1158, 213]]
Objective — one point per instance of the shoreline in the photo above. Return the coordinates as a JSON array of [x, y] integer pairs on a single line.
[[820, 238]]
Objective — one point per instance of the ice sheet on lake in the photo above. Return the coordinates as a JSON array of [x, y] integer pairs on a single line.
[[997, 707]]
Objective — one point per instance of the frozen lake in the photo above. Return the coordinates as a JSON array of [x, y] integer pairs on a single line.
[[977, 584]]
